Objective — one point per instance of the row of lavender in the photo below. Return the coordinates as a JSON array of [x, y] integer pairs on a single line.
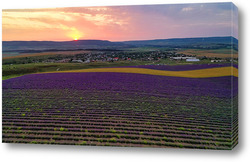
[[88, 117], [126, 82]]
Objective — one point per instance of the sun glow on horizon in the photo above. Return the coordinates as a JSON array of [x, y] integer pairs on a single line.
[[75, 34]]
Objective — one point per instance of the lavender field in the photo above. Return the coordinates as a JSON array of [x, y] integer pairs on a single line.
[[121, 109]]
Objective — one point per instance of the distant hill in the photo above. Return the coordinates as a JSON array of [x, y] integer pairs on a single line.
[[202, 42], [65, 45], [51, 43]]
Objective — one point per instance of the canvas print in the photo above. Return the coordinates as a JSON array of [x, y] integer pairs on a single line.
[[138, 76]]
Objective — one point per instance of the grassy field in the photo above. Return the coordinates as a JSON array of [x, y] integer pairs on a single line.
[[221, 53], [11, 71]]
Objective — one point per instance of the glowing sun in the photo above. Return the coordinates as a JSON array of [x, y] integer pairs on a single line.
[[75, 34], [76, 38]]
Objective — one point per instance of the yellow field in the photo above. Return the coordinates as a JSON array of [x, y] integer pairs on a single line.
[[201, 73]]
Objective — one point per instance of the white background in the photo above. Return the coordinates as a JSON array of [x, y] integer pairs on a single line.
[[41, 153]]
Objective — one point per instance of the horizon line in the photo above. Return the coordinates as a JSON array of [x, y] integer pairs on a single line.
[[114, 41]]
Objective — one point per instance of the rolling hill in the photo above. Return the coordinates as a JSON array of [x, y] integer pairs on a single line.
[[202, 43]]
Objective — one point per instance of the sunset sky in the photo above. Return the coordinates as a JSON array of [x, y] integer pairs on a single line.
[[121, 23]]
